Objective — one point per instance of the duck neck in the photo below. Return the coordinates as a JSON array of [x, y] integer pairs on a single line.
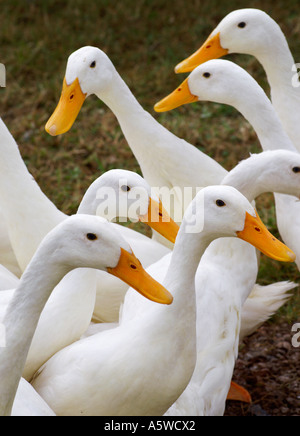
[[165, 159], [276, 59], [132, 118], [259, 112], [90, 201], [283, 77], [179, 319], [21, 319], [28, 213], [250, 177], [186, 256], [245, 184]]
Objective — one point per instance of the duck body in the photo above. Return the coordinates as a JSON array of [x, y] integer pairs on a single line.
[[262, 303], [217, 345], [28, 403], [139, 386]]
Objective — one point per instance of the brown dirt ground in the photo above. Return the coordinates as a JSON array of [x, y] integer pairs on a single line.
[[268, 367]]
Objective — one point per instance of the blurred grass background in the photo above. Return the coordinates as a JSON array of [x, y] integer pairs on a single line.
[[145, 39]]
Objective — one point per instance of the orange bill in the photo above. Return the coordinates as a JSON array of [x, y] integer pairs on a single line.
[[211, 49], [130, 270], [68, 108], [160, 221], [182, 95], [256, 233], [238, 393]]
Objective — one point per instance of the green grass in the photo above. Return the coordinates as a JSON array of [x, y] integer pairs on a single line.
[[145, 39]]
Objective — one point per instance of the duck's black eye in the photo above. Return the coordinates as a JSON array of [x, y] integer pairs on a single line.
[[296, 169], [91, 236], [125, 188], [206, 75], [93, 64], [220, 203], [242, 25]]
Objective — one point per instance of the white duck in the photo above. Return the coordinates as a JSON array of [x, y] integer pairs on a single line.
[[71, 305], [124, 194], [228, 267], [253, 32], [166, 161], [143, 365], [225, 82], [80, 241]]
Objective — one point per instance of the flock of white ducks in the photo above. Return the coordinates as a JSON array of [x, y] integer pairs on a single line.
[[77, 338]]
